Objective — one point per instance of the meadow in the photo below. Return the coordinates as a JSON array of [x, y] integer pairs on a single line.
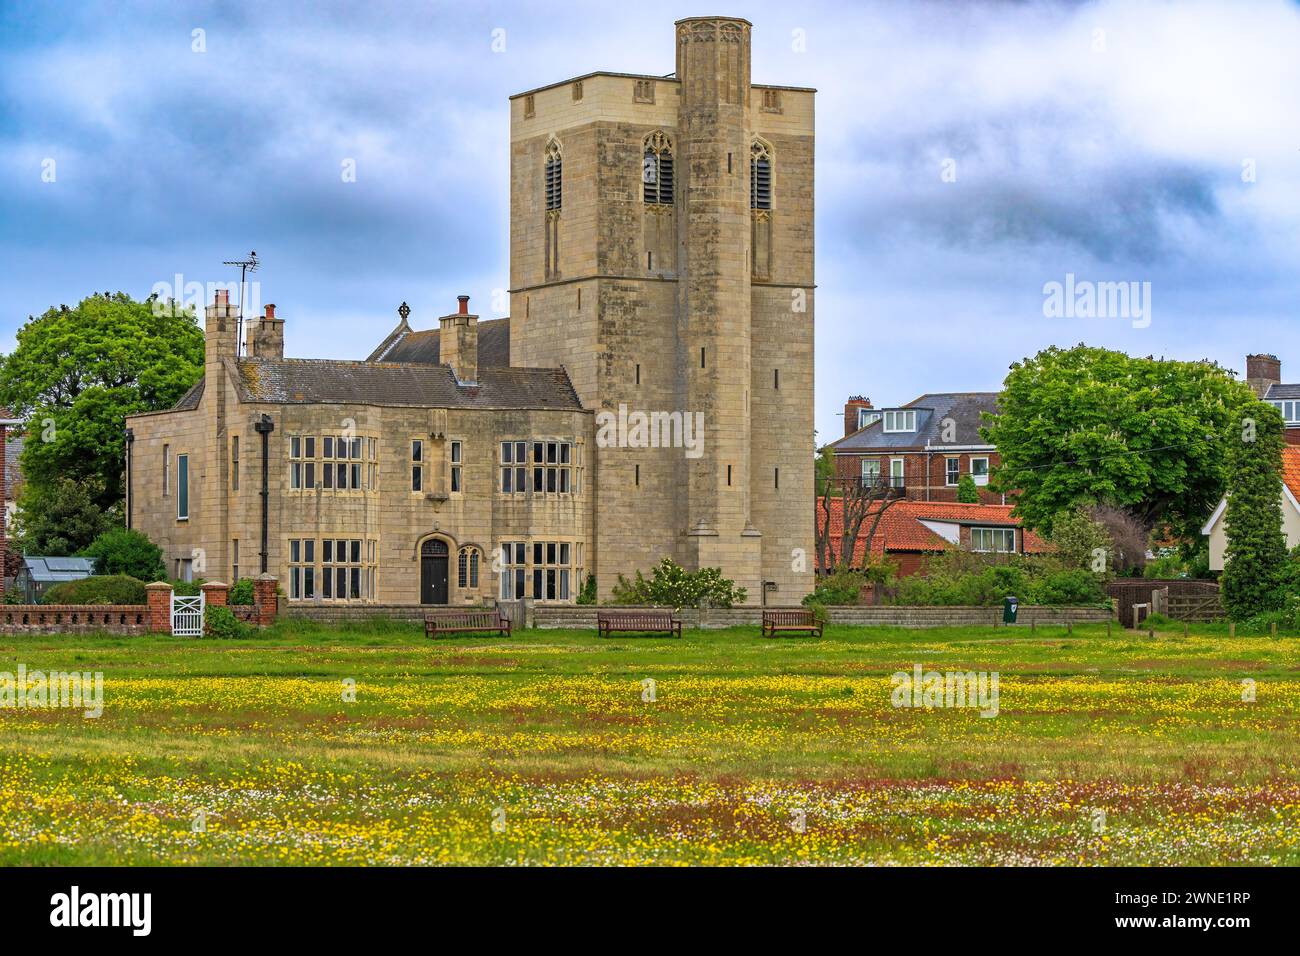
[[375, 746]]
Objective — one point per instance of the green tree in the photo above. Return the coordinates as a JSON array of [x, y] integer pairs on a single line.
[[1255, 569], [824, 468], [78, 372], [127, 551], [60, 518], [1079, 539], [967, 492], [1091, 425]]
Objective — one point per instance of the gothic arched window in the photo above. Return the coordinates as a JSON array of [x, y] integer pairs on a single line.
[[657, 169], [760, 175], [554, 176]]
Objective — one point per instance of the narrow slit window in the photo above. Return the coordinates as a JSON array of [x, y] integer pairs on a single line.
[[760, 177], [554, 177]]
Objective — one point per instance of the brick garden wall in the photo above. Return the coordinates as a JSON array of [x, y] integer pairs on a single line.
[[74, 618]]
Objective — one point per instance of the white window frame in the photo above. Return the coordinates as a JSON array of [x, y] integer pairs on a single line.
[[905, 415], [866, 416], [897, 475], [870, 471], [951, 475], [981, 478], [183, 488], [1007, 536]]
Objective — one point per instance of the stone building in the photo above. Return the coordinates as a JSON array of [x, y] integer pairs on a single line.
[[650, 395]]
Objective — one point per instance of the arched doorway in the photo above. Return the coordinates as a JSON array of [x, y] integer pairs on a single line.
[[433, 572]]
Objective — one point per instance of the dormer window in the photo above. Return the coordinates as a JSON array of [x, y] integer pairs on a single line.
[[866, 416], [900, 421], [1290, 411]]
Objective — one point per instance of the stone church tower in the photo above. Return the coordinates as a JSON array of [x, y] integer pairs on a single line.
[[661, 251]]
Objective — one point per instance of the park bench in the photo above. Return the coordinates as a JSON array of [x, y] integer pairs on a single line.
[[800, 620], [449, 620], [645, 622]]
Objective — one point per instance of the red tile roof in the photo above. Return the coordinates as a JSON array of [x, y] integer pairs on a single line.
[[901, 527], [1291, 469]]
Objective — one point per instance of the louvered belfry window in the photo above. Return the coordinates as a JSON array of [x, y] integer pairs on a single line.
[[657, 170], [760, 177], [554, 177]]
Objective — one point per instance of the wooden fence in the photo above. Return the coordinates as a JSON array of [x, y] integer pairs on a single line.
[[1179, 598]]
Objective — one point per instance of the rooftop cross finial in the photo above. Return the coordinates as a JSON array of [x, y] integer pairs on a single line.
[[403, 310]]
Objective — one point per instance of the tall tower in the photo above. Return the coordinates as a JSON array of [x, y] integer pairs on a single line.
[[661, 251]]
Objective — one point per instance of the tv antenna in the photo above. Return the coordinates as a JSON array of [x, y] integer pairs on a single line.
[[245, 266]]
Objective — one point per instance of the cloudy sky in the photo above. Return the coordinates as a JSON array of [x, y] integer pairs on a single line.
[[968, 154]]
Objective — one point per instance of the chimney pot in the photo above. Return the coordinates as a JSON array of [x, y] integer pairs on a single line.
[[223, 297], [270, 310], [464, 305]]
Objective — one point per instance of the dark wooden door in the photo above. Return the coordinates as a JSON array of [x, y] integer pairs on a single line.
[[433, 572]]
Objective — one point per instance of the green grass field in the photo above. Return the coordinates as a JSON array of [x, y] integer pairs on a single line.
[[543, 750]]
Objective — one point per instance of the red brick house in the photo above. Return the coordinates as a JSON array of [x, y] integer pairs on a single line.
[[1264, 375], [922, 448], [911, 531]]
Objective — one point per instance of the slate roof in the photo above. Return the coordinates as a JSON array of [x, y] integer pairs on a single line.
[[901, 527], [405, 344], [1281, 390], [932, 409], [313, 381], [190, 400]]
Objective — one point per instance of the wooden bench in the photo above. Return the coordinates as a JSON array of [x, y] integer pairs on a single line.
[[449, 620], [645, 622], [800, 620]]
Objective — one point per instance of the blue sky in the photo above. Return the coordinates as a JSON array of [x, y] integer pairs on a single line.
[[1135, 142]]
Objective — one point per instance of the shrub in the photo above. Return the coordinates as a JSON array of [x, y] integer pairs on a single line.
[[187, 588], [127, 551], [97, 589], [241, 592], [671, 585], [588, 593], [221, 622], [841, 586], [1255, 566], [967, 491], [1078, 537], [962, 577]]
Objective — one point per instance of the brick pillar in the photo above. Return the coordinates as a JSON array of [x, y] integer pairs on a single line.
[[215, 594], [264, 599], [159, 599]]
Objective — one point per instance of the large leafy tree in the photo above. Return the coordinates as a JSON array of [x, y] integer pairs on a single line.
[[58, 518], [1088, 425], [1255, 561], [78, 372]]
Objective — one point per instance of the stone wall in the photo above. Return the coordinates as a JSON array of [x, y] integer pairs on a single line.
[[74, 619], [552, 616]]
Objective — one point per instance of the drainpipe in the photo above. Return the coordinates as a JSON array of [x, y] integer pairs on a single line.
[[264, 427], [130, 440]]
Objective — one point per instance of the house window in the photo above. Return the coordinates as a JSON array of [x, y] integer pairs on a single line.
[[870, 471], [979, 469], [554, 177], [341, 464], [182, 487], [417, 464], [577, 91], [1290, 411], [551, 570], [302, 569], [167, 470], [234, 462], [514, 571], [343, 576], [657, 170], [456, 465], [467, 562], [771, 101], [234, 560], [867, 416], [896, 472], [996, 540], [538, 467], [760, 176], [644, 91], [952, 473], [900, 421]]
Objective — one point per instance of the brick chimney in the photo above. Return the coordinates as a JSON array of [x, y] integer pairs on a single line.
[[220, 328], [458, 342], [265, 336], [851, 412], [1263, 370]]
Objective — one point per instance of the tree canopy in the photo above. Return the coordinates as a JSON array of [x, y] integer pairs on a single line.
[[78, 372], [1087, 425]]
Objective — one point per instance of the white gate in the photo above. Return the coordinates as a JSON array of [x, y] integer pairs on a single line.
[[187, 616]]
